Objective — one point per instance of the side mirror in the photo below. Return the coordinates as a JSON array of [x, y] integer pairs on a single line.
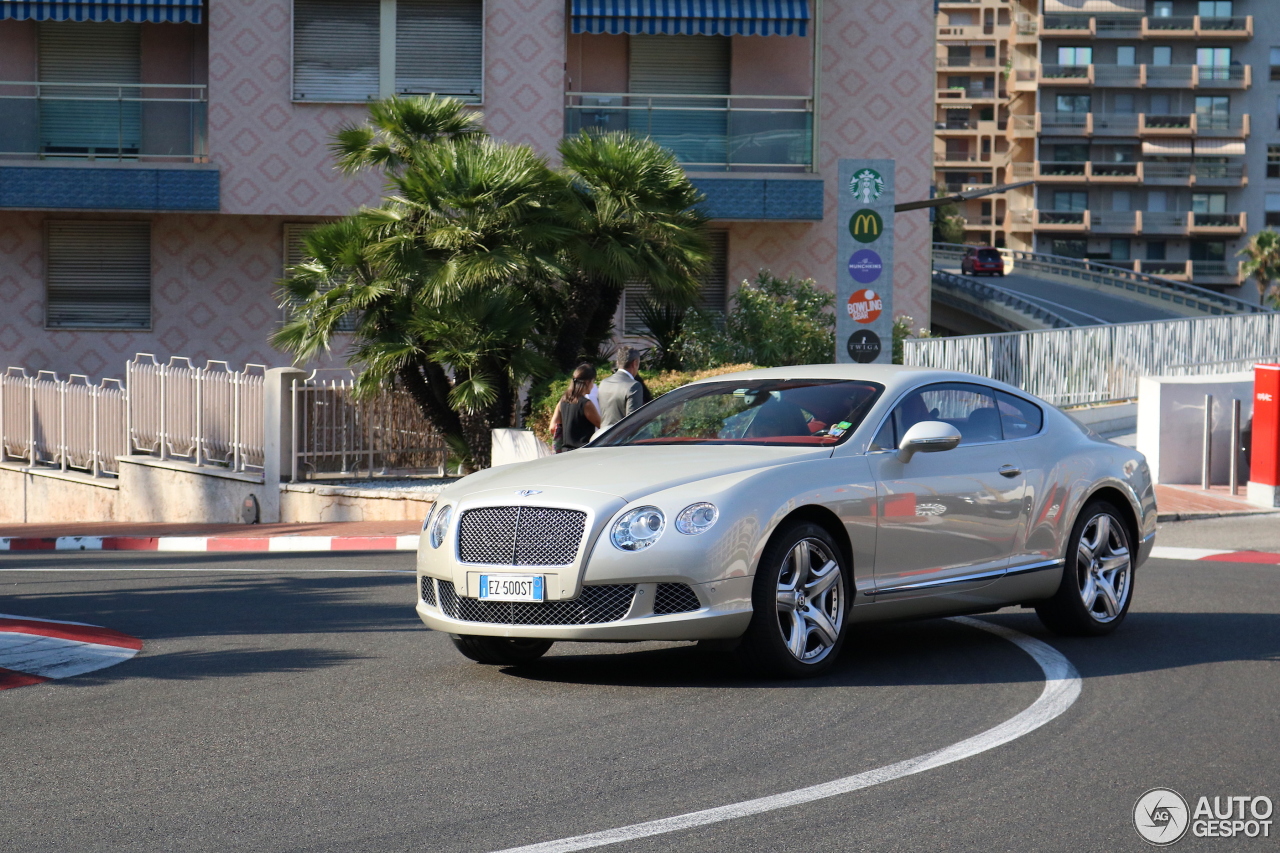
[[928, 437]]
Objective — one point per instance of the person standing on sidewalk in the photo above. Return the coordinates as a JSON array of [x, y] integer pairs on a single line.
[[621, 394], [576, 418]]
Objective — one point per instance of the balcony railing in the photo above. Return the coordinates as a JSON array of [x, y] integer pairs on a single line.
[[1218, 222], [706, 132], [112, 121], [971, 92], [966, 62], [1134, 26]]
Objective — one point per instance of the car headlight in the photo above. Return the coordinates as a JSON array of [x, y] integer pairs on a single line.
[[638, 528], [697, 518], [440, 525]]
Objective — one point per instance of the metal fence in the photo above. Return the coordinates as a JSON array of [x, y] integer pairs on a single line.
[[207, 415], [337, 434], [1099, 364], [67, 424]]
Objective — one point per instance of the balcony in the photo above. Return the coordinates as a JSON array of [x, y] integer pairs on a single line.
[[1062, 220], [1219, 224], [1062, 173], [966, 62], [1176, 270], [1024, 79], [973, 92], [706, 132], [1133, 26], [1116, 173], [1240, 27], [973, 31], [1169, 223], [1195, 124], [1088, 124], [1120, 76], [133, 122], [1023, 127], [1066, 75], [1116, 222], [959, 158], [1067, 26], [1219, 273]]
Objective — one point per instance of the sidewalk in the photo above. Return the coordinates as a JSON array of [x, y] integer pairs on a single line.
[[1185, 503], [140, 536]]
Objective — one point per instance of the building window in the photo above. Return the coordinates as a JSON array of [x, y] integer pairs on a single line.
[[98, 275], [1214, 9], [1214, 62], [1121, 200], [1124, 104], [1126, 54], [1069, 248], [1075, 56], [1273, 161], [1213, 112], [1162, 9], [1275, 63], [1075, 103], [1209, 251], [337, 49], [1157, 202], [1070, 200], [1161, 54], [1209, 202], [1272, 209], [1120, 250], [1157, 250], [72, 124]]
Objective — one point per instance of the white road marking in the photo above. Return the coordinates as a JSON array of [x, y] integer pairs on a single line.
[[298, 543], [55, 657], [1061, 688], [1166, 552]]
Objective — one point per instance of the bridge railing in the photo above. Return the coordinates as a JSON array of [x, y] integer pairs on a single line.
[[1101, 364], [1100, 273], [945, 282]]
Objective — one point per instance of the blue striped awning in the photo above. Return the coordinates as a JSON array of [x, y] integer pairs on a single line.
[[692, 17], [105, 11]]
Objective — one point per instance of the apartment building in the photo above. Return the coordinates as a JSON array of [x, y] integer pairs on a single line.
[[1150, 129], [159, 159], [971, 149]]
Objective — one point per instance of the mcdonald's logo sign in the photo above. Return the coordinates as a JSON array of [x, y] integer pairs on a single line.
[[866, 226]]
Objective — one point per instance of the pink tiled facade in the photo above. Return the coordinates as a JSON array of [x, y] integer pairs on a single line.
[[214, 275]]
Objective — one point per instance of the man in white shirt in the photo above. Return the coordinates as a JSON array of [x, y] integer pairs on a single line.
[[621, 394]]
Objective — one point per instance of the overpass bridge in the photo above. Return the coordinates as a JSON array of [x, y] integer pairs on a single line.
[[1040, 291]]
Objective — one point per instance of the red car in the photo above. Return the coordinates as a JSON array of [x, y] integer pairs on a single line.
[[985, 259]]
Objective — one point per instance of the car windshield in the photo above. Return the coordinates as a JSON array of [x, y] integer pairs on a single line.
[[785, 412], [988, 255]]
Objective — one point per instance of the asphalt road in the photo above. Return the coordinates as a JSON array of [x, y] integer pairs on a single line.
[[290, 709], [1080, 305]]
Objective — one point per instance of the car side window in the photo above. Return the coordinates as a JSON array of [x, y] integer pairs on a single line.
[[971, 409], [1018, 417], [885, 439]]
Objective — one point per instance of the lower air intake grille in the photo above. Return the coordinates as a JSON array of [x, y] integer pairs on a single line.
[[428, 591], [675, 598], [596, 604]]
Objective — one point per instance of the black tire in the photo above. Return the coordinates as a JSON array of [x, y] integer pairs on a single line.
[[501, 651], [812, 619], [1093, 598]]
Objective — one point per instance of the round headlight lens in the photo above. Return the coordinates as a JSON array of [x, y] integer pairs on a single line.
[[638, 528], [697, 518], [440, 525]]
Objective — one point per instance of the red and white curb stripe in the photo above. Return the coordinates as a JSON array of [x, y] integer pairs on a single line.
[[212, 543], [1162, 552], [35, 650]]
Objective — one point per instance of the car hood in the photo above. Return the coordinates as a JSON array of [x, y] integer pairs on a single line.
[[630, 472]]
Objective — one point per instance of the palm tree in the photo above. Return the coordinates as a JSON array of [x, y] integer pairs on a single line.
[[632, 211], [398, 127], [1262, 254]]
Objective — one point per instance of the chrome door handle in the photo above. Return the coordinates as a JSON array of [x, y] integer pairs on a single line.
[[1010, 470]]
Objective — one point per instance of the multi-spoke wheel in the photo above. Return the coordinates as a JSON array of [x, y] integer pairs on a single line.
[[1097, 581], [800, 601]]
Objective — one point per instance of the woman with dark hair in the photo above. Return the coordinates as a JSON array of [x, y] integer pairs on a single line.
[[576, 418]]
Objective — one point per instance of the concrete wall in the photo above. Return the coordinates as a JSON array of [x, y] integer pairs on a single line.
[[308, 502], [1171, 424], [39, 499]]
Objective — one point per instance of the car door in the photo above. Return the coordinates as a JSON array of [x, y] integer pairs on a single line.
[[947, 522]]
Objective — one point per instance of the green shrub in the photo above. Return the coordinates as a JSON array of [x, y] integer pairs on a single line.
[[547, 395], [902, 330], [772, 322]]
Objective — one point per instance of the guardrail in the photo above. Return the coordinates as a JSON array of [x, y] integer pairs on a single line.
[[1095, 272], [67, 424], [945, 281], [337, 433], [1102, 364]]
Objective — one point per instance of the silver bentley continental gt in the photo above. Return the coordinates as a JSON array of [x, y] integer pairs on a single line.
[[772, 509]]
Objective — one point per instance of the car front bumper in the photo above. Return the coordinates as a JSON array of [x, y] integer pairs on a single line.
[[724, 613]]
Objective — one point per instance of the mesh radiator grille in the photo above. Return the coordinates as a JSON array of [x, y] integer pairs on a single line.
[[428, 591], [675, 598], [520, 535], [596, 604]]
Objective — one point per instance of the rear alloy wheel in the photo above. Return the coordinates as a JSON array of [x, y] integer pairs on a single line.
[[799, 603], [501, 651], [1097, 582]]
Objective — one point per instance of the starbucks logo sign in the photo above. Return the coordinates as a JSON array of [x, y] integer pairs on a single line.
[[867, 185]]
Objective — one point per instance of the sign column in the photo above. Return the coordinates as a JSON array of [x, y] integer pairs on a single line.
[[864, 289]]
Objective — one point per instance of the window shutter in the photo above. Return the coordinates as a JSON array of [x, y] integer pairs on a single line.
[[439, 48], [98, 275], [714, 296], [694, 129], [335, 50], [86, 120]]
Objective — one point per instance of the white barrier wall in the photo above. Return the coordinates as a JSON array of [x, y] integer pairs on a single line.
[[1171, 424]]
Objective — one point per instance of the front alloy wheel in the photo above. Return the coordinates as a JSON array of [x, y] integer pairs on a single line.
[[1097, 581], [800, 602]]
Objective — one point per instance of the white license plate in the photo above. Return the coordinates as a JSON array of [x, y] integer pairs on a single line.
[[512, 588]]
